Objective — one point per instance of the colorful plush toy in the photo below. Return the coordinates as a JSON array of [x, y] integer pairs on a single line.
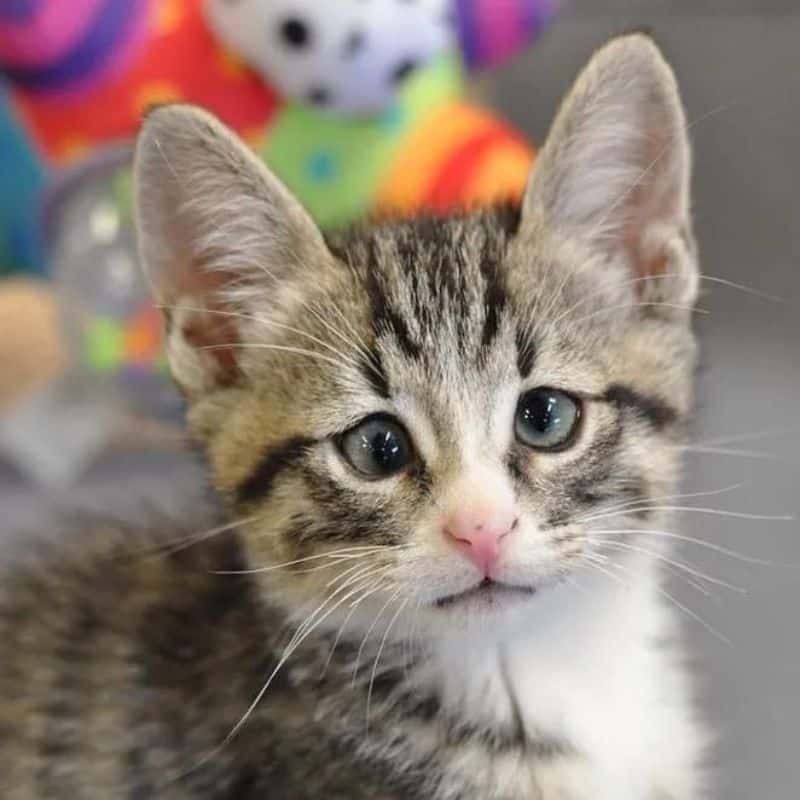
[[357, 105], [429, 150], [421, 146], [347, 57], [346, 100], [21, 246], [84, 71]]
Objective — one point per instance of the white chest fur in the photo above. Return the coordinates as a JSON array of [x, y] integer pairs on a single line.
[[587, 669]]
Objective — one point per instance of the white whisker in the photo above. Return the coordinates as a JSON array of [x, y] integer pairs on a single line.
[[643, 502], [680, 606], [176, 546], [713, 511], [345, 553], [380, 652], [369, 633], [693, 540], [680, 565]]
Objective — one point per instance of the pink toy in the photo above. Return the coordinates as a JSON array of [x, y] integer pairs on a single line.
[[58, 49], [491, 31]]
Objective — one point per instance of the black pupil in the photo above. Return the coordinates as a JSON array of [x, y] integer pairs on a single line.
[[540, 412], [385, 448]]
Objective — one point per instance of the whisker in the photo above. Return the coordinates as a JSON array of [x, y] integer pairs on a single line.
[[380, 652], [630, 282], [671, 562], [714, 511], [742, 288], [170, 548], [369, 633], [681, 607], [359, 345], [699, 542], [750, 436], [345, 553], [722, 451], [353, 608], [643, 304], [266, 322], [598, 563], [653, 164], [348, 582], [278, 348], [643, 502], [287, 653]]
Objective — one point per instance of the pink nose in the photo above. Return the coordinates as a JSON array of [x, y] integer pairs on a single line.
[[480, 535]]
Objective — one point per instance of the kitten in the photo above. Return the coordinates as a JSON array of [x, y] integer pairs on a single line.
[[440, 441]]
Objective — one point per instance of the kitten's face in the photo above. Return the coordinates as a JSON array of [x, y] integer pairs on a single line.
[[438, 412], [462, 375]]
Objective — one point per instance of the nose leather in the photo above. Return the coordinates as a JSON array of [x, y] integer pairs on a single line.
[[479, 535]]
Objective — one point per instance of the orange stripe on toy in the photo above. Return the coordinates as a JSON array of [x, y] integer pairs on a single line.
[[501, 175], [414, 170], [449, 189]]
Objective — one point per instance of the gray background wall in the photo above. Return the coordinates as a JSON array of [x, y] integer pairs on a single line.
[[739, 65]]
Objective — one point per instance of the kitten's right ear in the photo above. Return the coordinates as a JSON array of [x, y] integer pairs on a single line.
[[220, 238], [615, 171]]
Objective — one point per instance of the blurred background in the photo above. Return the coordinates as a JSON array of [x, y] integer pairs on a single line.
[[381, 107]]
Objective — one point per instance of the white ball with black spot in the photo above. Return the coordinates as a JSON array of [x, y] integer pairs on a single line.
[[347, 56]]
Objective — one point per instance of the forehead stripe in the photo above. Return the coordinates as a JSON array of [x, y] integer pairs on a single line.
[[494, 300], [275, 461], [385, 318], [526, 353], [374, 372]]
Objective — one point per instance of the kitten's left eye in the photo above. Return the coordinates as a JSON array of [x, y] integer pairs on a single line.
[[377, 447], [547, 419]]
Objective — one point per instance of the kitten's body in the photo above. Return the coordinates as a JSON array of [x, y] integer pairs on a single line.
[[556, 676], [137, 666]]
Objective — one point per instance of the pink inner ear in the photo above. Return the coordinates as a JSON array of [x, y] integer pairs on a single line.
[[646, 265], [648, 208], [211, 327]]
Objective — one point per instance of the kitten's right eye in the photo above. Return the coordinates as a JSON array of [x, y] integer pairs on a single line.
[[377, 447]]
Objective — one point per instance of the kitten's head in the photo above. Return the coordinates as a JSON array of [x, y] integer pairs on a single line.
[[435, 410]]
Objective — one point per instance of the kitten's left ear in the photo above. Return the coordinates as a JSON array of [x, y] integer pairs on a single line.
[[222, 241], [616, 170]]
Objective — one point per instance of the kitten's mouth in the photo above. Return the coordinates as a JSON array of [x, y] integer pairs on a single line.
[[487, 591]]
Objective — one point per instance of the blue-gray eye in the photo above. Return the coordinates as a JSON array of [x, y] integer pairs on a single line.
[[377, 447], [547, 419]]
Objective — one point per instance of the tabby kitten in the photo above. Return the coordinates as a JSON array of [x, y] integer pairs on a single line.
[[421, 430]]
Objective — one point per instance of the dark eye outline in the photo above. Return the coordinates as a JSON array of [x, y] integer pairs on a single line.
[[574, 431], [340, 438]]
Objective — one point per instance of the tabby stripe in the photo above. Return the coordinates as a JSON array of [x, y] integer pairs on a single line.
[[526, 353], [64, 710], [386, 319], [373, 370], [658, 413], [276, 460], [494, 299]]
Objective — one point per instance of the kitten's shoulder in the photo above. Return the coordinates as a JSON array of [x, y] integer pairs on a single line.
[[114, 576]]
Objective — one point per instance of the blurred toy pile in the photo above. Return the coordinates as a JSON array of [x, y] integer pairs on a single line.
[[359, 107]]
